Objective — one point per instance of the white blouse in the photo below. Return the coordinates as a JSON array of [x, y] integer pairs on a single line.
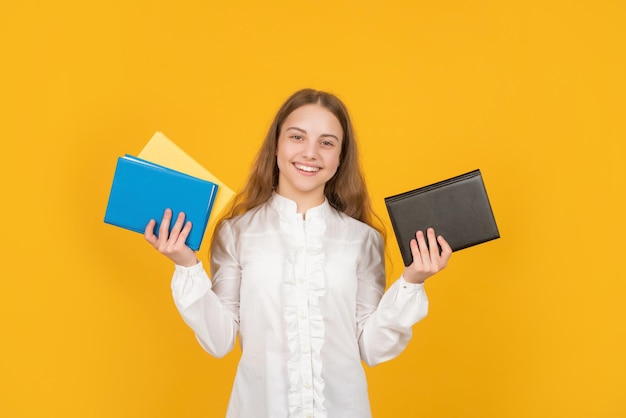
[[307, 298]]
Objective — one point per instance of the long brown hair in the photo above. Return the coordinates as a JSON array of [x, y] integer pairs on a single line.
[[346, 191]]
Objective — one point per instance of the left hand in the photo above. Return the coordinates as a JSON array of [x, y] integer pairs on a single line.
[[426, 258]]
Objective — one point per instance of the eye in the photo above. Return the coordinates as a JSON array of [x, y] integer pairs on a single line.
[[327, 143], [296, 137]]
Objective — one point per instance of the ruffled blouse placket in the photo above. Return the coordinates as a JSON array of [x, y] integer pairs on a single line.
[[303, 287]]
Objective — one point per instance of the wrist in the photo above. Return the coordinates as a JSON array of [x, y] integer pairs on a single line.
[[187, 262], [413, 278]]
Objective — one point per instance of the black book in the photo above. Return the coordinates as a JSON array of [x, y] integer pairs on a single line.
[[457, 208]]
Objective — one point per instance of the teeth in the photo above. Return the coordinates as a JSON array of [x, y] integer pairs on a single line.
[[307, 168]]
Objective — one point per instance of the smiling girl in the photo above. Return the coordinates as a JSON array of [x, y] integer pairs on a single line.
[[297, 272]]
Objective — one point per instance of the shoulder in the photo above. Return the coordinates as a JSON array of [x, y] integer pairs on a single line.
[[355, 228], [246, 221]]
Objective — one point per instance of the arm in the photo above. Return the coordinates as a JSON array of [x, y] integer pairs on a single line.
[[210, 309], [385, 319]]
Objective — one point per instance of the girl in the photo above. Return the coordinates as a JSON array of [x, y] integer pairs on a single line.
[[297, 271]]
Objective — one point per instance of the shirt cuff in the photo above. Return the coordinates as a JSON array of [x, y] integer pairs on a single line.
[[189, 284], [191, 270], [410, 287]]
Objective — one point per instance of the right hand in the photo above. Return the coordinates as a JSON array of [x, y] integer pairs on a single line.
[[172, 244]]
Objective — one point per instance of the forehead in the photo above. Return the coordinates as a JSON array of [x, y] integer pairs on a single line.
[[314, 117]]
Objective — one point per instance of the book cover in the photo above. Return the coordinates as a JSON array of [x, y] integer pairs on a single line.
[[162, 150], [457, 208], [142, 190]]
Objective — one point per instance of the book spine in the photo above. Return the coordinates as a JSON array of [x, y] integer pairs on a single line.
[[434, 186]]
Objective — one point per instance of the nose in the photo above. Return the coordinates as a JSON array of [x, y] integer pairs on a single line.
[[310, 150]]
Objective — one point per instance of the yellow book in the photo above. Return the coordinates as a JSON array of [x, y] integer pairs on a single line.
[[162, 150]]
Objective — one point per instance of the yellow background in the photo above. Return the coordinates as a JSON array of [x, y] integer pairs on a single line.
[[531, 92]]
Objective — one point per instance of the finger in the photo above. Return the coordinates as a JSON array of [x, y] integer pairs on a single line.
[[175, 232], [184, 233], [165, 225], [423, 247], [149, 232], [432, 244], [415, 252], [446, 250]]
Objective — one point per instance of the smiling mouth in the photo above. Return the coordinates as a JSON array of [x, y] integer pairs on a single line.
[[306, 168]]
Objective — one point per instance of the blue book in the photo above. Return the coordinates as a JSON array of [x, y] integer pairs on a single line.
[[142, 190]]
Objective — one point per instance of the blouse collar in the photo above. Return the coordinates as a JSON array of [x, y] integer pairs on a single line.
[[289, 208]]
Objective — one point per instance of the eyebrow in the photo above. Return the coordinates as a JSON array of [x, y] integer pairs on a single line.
[[304, 132]]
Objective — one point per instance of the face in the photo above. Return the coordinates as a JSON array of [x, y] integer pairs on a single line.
[[309, 147]]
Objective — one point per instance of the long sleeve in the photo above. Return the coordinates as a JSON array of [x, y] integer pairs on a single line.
[[211, 308], [385, 319]]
